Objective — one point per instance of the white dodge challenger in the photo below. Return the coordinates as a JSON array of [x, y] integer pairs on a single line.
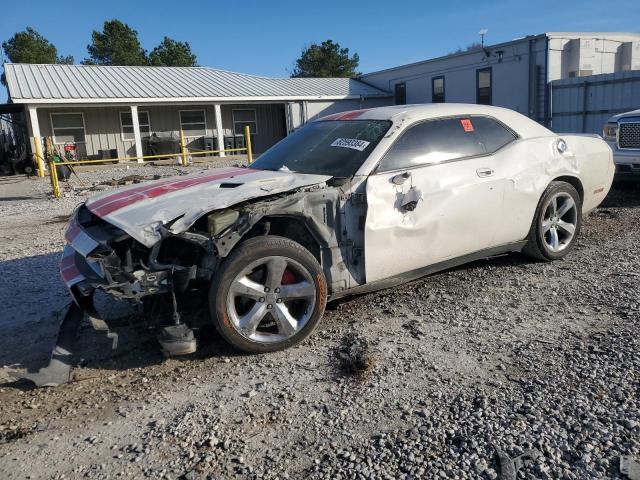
[[350, 203]]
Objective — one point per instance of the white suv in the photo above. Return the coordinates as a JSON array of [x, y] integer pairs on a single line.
[[622, 133]]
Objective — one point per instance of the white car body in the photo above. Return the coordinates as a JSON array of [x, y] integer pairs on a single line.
[[622, 133], [462, 209]]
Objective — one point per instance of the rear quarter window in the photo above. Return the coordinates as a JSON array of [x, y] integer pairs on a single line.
[[492, 133]]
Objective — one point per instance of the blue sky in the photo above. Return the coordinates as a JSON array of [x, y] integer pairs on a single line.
[[265, 37]]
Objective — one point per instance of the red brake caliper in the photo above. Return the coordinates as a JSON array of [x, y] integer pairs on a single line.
[[288, 277]]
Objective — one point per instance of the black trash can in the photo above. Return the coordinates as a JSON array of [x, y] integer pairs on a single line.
[[209, 143], [108, 154], [163, 144]]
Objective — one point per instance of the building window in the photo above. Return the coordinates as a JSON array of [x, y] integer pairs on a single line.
[[126, 125], [401, 93], [67, 128], [193, 123], [243, 118], [483, 86], [437, 89]]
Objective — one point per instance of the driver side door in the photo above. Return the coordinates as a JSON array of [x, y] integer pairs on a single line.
[[436, 195]]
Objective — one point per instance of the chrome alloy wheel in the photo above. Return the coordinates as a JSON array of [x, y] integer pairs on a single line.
[[559, 221], [271, 299]]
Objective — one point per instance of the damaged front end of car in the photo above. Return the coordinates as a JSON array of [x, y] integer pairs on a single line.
[[100, 256]]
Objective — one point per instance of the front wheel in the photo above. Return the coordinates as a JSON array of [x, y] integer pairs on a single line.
[[556, 223], [268, 295]]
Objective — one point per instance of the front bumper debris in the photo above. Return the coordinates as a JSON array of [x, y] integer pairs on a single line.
[[177, 340], [58, 371]]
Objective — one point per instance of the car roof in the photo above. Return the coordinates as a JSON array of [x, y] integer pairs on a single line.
[[399, 113]]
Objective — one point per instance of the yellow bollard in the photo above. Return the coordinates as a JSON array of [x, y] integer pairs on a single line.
[[183, 149], [53, 173], [247, 141], [39, 162]]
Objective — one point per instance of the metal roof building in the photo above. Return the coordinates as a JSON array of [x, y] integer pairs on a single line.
[[110, 111], [36, 83]]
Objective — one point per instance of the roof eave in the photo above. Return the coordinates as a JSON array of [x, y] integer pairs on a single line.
[[137, 101], [451, 55]]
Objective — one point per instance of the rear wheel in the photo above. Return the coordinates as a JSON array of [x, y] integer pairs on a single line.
[[268, 295], [556, 223]]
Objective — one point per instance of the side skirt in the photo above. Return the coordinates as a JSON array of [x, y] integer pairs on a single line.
[[429, 269]]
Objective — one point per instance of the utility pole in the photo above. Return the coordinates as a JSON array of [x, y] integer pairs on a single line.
[[482, 33]]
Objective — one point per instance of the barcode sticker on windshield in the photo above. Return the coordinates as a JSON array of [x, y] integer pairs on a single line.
[[353, 143]]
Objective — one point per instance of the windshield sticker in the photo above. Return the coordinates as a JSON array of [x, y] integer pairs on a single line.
[[467, 125], [352, 143]]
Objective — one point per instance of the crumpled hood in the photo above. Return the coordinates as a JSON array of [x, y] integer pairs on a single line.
[[140, 209]]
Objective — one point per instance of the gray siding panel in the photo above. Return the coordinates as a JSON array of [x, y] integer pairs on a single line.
[[584, 104]]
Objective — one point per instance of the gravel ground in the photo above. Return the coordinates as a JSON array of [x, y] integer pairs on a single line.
[[451, 376]]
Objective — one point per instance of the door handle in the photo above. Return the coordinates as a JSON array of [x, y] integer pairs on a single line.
[[485, 172], [400, 178]]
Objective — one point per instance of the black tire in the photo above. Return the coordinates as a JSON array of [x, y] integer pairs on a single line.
[[536, 246], [248, 252]]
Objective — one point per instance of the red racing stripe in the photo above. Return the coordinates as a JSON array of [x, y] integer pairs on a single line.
[[332, 117], [156, 190], [353, 114], [141, 188], [349, 115], [72, 232], [70, 273], [67, 261]]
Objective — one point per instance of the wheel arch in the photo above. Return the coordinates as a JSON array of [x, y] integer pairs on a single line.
[[293, 227], [575, 182]]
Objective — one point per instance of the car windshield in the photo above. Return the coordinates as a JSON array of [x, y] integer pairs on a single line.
[[336, 147]]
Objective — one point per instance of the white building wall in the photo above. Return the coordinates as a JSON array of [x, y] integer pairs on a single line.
[[520, 77], [573, 54], [629, 58], [512, 70]]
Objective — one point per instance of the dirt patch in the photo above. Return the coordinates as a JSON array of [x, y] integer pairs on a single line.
[[353, 356]]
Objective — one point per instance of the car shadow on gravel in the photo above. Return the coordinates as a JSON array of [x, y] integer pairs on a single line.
[[34, 301], [505, 260], [623, 193]]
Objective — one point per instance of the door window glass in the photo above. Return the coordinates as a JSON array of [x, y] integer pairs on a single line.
[[432, 142]]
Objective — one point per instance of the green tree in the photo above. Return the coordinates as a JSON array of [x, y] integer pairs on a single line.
[[326, 60], [469, 48], [117, 44], [31, 47], [171, 53]]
